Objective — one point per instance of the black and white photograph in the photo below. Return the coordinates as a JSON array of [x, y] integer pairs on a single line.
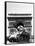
[[19, 23]]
